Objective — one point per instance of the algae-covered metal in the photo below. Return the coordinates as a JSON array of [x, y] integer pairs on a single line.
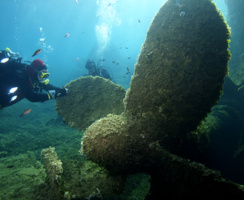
[[89, 99], [182, 65], [54, 171], [177, 79]]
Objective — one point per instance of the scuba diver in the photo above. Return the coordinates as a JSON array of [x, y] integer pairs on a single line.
[[19, 80], [96, 71]]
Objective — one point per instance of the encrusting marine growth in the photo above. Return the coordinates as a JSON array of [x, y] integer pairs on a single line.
[[177, 79], [89, 99]]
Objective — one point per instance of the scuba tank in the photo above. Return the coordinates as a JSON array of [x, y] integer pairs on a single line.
[[9, 61], [7, 55]]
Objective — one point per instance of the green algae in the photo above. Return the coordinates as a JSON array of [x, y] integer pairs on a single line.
[[178, 78], [89, 99], [54, 171], [40, 129], [22, 178], [172, 176], [181, 68], [82, 179], [137, 187]]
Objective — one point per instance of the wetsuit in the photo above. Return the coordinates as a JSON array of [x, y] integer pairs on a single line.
[[22, 86], [94, 71]]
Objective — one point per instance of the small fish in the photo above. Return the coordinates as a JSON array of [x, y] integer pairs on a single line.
[[67, 35], [113, 61], [129, 57], [76, 59], [76, 2], [27, 111], [37, 52], [128, 70], [139, 20], [4, 60]]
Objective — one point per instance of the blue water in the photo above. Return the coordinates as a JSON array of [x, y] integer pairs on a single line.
[[109, 29], [113, 30]]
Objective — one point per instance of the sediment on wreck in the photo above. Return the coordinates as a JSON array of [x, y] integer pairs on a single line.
[[178, 78], [54, 170]]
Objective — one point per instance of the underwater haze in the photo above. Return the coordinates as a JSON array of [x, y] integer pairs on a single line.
[[112, 30], [70, 32]]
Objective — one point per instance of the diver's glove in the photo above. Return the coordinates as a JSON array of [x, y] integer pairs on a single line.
[[61, 92], [53, 94]]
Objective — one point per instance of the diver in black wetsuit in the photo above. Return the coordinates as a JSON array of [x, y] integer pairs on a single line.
[[19, 80], [97, 71]]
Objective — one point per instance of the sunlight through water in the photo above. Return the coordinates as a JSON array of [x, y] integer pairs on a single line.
[[107, 18]]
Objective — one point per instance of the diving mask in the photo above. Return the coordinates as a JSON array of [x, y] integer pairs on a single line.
[[43, 75]]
